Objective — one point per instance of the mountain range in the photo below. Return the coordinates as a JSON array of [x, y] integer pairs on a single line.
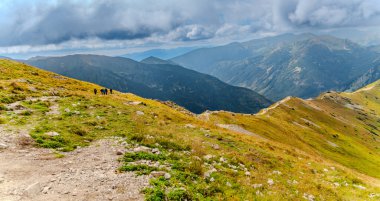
[[159, 53], [272, 68], [302, 65], [158, 79]]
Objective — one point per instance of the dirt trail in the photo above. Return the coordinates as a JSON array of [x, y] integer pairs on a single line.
[[274, 106], [36, 174], [85, 174], [239, 129]]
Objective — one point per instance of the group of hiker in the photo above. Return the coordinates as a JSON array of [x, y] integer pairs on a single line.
[[103, 91]]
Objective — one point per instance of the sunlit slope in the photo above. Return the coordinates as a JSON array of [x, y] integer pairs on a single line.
[[343, 127], [207, 162]]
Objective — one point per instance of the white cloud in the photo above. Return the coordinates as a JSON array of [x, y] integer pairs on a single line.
[[58, 25]]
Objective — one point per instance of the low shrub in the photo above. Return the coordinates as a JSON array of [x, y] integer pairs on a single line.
[[134, 156], [139, 169], [79, 130], [173, 146]]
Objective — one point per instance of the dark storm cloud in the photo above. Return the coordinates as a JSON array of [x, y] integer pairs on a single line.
[[54, 22]]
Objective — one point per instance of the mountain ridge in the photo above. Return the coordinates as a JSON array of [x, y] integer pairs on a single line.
[[190, 89], [306, 65]]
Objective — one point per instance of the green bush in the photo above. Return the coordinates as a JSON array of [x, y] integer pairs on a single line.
[[139, 169], [78, 130], [12, 98], [137, 137], [51, 144], [134, 156], [195, 167], [155, 194], [179, 194], [174, 146], [26, 113], [2, 107]]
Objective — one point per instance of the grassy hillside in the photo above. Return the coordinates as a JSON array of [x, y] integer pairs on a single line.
[[283, 153], [340, 126]]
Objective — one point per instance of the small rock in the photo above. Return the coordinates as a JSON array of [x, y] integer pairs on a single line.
[[294, 182], [257, 186], [52, 134], [119, 153], [336, 184], [189, 126], [3, 146], [308, 197], [140, 113], [158, 173], [247, 173], [33, 89], [216, 146], [228, 184], [277, 172], [373, 195], [212, 179], [167, 176], [155, 150], [223, 160], [359, 186], [67, 110], [270, 182], [209, 172], [33, 189], [259, 193], [325, 170], [133, 103], [45, 190], [141, 148], [208, 157]]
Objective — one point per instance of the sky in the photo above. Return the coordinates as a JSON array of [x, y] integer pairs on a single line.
[[117, 27]]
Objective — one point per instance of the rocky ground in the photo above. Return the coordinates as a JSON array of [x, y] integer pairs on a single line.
[[89, 173]]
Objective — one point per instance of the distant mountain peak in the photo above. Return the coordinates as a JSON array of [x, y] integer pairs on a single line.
[[156, 60]]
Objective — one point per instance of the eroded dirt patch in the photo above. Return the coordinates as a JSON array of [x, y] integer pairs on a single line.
[[88, 173]]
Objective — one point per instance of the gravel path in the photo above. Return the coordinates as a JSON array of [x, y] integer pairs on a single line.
[[85, 174]]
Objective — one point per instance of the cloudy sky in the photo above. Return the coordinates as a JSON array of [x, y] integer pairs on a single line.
[[115, 27]]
